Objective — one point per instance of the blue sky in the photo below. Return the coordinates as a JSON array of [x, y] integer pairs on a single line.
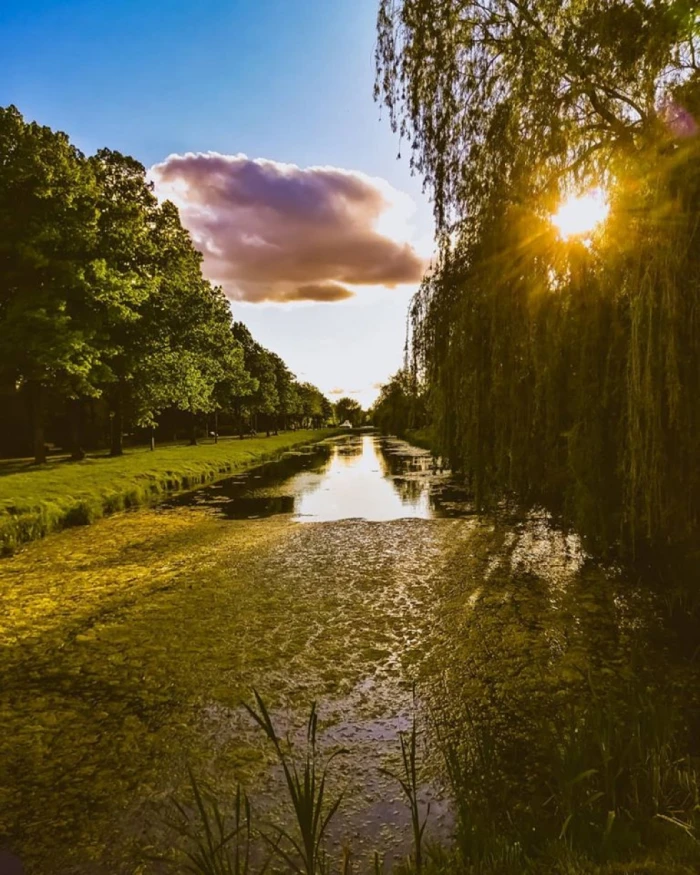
[[286, 81]]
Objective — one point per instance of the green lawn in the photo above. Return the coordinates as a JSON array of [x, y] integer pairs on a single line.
[[37, 500]]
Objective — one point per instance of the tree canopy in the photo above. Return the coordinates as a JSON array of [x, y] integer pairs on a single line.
[[349, 409], [564, 371], [503, 98]]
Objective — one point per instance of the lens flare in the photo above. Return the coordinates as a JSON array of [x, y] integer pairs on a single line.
[[578, 216]]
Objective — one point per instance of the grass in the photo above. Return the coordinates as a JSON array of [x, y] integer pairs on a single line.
[[409, 783], [220, 843], [307, 793], [43, 499], [567, 729], [483, 845]]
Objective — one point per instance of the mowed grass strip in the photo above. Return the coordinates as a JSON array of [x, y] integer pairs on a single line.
[[43, 499]]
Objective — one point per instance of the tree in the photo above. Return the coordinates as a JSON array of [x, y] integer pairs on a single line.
[[264, 400], [312, 410], [400, 405], [287, 397], [326, 411], [508, 106], [487, 92], [349, 409], [126, 246], [48, 224], [102, 300], [194, 361]]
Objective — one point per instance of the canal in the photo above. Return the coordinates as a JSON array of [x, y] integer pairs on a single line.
[[356, 574]]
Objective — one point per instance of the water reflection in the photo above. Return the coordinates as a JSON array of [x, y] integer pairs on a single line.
[[353, 477], [357, 483]]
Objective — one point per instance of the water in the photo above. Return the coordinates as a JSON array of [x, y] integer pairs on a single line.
[[355, 574], [363, 476]]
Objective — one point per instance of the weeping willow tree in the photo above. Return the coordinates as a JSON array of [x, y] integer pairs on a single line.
[[565, 372]]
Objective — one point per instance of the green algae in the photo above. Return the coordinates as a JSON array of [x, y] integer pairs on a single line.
[[128, 648]]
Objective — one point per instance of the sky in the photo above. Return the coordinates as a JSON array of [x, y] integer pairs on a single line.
[[257, 118]]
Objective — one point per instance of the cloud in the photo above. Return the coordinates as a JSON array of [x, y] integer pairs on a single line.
[[277, 232]]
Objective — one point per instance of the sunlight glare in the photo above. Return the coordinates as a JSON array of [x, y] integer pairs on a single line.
[[578, 216]]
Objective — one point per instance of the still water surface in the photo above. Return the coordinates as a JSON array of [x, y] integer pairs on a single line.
[[364, 476], [353, 573]]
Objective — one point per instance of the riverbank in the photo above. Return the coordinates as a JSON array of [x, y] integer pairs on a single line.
[[421, 437], [44, 499]]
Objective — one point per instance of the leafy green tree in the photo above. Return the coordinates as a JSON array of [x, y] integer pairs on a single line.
[[565, 372], [349, 409], [400, 405], [264, 400], [287, 397], [326, 411], [508, 97], [48, 226], [126, 246], [193, 362], [102, 300], [311, 407]]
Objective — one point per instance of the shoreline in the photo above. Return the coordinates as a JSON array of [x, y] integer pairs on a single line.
[[42, 500]]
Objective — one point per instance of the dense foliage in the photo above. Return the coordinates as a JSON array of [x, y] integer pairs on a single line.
[[565, 371], [400, 406], [106, 322], [349, 410]]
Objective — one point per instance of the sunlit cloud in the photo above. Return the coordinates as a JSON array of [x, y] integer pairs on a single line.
[[277, 232]]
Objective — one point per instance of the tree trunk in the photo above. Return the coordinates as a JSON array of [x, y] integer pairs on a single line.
[[193, 433], [75, 412], [153, 439], [216, 427], [116, 437], [36, 406]]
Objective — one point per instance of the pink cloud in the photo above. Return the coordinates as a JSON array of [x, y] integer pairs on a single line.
[[277, 232]]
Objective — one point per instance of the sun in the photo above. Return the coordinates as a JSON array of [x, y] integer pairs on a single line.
[[578, 216]]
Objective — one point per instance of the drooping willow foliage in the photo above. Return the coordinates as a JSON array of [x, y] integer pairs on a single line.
[[567, 373]]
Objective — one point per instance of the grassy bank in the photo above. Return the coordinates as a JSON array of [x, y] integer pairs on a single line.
[[40, 500]]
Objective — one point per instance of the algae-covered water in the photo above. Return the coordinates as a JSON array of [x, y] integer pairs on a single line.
[[354, 573]]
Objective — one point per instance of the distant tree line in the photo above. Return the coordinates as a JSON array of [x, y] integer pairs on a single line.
[[349, 410], [107, 325], [564, 372], [401, 405]]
